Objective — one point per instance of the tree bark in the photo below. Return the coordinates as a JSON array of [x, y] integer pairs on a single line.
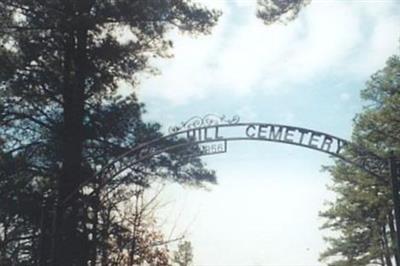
[[393, 236], [70, 248], [95, 223], [386, 247]]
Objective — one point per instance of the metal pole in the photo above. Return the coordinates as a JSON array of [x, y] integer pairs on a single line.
[[396, 199]]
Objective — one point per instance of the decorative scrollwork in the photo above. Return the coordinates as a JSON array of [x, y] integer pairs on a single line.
[[207, 120]]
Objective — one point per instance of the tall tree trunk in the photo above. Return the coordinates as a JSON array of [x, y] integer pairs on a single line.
[[71, 171], [93, 251], [71, 249], [393, 236], [386, 247], [105, 236]]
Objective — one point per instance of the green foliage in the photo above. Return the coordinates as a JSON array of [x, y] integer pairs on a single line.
[[62, 121], [184, 255], [271, 11], [362, 214]]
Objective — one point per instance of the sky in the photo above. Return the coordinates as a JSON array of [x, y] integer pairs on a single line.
[[308, 73]]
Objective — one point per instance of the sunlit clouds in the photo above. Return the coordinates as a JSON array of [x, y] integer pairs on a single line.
[[243, 55], [308, 73]]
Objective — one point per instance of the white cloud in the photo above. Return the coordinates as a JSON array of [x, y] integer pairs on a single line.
[[252, 207], [288, 117], [345, 97], [243, 55], [247, 113], [216, 4]]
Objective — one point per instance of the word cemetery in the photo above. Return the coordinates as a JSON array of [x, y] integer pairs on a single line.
[[269, 132]]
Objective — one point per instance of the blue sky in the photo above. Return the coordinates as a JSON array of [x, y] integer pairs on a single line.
[[308, 73]]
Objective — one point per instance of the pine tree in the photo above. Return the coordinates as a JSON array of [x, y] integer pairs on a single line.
[[60, 115], [271, 11], [362, 214]]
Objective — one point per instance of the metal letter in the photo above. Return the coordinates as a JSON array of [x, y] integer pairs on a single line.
[[313, 139], [191, 134], [262, 129], [217, 136], [340, 145], [302, 133], [275, 135], [248, 129], [206, 137], [289, 134], [199, 134], [326, 142]]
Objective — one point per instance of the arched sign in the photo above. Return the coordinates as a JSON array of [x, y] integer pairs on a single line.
[[200, 136]]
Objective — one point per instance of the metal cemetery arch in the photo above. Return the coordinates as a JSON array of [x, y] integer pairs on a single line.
[[210, 135]]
